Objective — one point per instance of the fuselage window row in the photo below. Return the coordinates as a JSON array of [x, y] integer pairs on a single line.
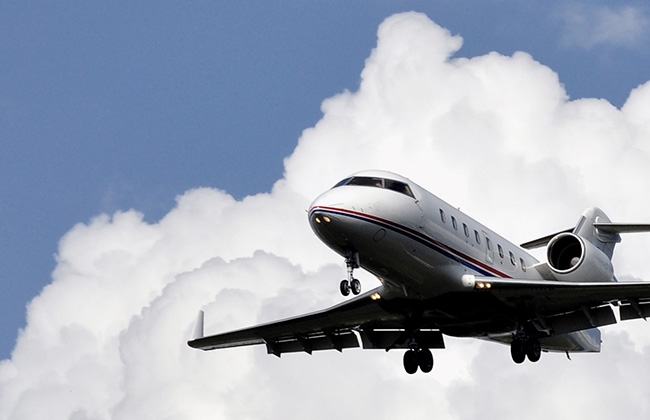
[[488, 242]]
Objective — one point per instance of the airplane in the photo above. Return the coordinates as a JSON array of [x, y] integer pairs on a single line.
[[444, 273]]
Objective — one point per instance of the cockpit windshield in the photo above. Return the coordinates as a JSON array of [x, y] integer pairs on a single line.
[[368, 181]]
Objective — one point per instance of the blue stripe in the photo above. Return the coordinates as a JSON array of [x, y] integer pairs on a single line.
[[416, 236]]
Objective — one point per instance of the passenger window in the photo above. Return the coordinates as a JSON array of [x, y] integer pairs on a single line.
[[523, 265], [512, 259], [477, 236], [454, 222], [500, 250], [442, 216], [488, 242], [466, 229]]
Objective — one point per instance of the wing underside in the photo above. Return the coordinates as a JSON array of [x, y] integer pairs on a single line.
[[361, 321], [488, 307], [562, 307]]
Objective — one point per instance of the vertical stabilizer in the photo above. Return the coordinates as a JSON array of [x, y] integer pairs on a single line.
[[587, 230]]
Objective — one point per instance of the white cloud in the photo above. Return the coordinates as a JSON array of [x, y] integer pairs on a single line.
[[586, 25], [493, 134]]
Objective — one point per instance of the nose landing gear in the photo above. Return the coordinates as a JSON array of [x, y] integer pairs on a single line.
[[351, 284]]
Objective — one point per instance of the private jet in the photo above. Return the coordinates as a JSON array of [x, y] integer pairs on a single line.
[[444, 273]]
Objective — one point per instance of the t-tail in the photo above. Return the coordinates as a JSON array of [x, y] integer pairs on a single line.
[[584, 253]]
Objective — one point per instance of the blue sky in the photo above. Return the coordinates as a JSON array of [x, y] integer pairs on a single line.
[[107, 107]]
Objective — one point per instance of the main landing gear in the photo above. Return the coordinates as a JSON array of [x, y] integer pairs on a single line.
[[416, 357], [351, 284], [524, 346]]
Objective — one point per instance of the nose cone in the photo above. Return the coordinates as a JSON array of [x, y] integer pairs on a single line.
[[321, 213], [329, 219], [330, 201]]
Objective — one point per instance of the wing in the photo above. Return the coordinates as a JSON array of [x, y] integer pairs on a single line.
[[335, 328], [562, 307]]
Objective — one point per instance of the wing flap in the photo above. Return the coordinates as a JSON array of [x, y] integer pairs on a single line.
[[321, 341], [575, 321], [398, 339], [634, 310]]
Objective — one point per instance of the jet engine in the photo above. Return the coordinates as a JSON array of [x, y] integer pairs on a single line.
[[572, 258]]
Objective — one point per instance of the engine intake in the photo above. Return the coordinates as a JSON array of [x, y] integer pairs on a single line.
[[571, 258]]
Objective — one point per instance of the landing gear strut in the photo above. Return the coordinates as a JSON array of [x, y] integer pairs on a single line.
[[524, 346], [351, 284]]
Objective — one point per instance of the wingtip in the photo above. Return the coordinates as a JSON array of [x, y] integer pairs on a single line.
[[198, 327]]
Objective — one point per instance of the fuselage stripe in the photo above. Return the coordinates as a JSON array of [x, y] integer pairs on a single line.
[[422, 238]]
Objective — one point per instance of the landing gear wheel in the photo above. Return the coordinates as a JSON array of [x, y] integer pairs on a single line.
[[411, 362], [345, 287], [425, 360], [518, 350], [355, 285], [351, 284], [533, 350]]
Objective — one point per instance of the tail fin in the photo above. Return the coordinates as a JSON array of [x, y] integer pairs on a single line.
[[587, 230]]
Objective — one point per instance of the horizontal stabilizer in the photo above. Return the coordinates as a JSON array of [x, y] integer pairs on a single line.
[[538, 243], [603, 228], [614, 228]]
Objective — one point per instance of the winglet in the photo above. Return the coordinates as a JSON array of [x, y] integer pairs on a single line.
[[198, 327]]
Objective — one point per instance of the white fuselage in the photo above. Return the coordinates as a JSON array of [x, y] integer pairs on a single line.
[[418, 245]]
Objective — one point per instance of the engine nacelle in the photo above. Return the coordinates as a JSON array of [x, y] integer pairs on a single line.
[[571, 258]]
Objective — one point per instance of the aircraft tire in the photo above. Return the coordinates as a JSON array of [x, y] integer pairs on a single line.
[[425, 360], [518, 351], [355, 285], [345, 287], [534, 350], [411, 362]]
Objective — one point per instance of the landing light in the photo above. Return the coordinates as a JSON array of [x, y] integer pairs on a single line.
[[483, 285], [325, 219], [375, 296]]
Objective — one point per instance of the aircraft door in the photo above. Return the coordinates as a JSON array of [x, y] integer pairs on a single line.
[[489, 247]]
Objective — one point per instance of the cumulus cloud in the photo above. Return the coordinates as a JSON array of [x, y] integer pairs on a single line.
[[586, 25], [495, 135]]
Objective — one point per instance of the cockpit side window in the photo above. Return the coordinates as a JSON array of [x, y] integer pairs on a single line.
[[367, 181], [398, 186], [343, 182]]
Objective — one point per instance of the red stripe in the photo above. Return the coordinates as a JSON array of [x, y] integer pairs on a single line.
[[415, 233]]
